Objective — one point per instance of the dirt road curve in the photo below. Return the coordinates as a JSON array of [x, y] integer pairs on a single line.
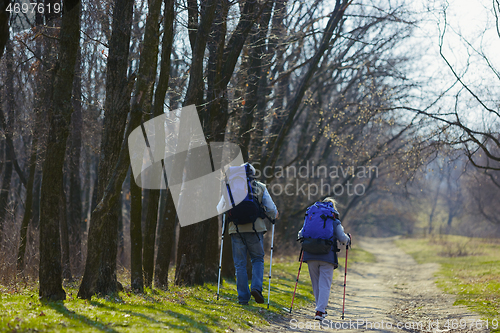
[[395, 294]]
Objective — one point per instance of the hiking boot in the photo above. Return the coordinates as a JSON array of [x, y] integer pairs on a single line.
[[243, 303], [257, 295], [320, 315]]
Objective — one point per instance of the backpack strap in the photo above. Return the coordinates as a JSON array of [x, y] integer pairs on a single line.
[[326, 217], [229, 191], [243, 239], [256, 233]]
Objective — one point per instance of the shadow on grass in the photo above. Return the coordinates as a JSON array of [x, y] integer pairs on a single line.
[[59, 307], [190, 322]]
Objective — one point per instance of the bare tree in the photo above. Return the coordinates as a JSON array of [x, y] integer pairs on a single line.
[[458, 130], [100, 268], [60, 118], [4, 27]]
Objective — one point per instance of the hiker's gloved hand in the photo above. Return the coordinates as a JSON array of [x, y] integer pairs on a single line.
[[349, 243], [299, 235]]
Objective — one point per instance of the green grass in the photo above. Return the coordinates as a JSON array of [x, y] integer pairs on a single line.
[[180, 309], [470, 269], [358, 255]]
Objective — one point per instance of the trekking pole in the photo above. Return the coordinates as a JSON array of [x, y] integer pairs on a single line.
[[301, 256], [345, 278], [270, 268], [221, 246]]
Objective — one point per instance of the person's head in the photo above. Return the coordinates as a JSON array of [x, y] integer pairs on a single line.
[[252, 169], [332, 200]]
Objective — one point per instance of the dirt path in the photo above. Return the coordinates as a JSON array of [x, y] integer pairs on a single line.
[[393, 294]]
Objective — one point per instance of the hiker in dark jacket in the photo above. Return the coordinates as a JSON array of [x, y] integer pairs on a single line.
[[321, 268], [246, 238]]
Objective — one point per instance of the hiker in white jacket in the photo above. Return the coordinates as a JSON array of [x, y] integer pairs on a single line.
[[250, 237]]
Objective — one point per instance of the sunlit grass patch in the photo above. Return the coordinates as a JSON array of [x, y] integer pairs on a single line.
[[357, 254], [179, 309], [470, 269]]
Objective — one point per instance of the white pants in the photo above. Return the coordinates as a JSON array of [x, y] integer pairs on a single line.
[[321, 274]]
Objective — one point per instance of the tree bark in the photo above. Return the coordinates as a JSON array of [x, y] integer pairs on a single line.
[[254, 76], [148, 251], [32, 199], [107, 282], [28, 212], [75, 199], [10, 98], [190, 262], [166, 233], [37, 187], [63, 226], [121, 239], [147, 76], [137, 280], [5, 190], [154, 195], [50, 272], [434, 205], [100, 269], [7, 125], [4, 25]]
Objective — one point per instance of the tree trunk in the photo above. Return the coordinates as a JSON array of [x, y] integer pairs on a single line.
[[154, 195], [434, 205], [137, 280], [257, 53], [121, 239], [37, 188], [28, 212], [100, 269], [4, 25], [166, 233], [7, 125], [107, 282], [150, 236], [75, 199], [5, 190], [63, 226], [60, 116], [190, 263], [33, 187]]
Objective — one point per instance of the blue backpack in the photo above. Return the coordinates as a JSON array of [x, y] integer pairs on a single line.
[[318, 232]]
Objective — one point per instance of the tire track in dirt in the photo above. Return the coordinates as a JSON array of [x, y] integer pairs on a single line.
[[395, 294]]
